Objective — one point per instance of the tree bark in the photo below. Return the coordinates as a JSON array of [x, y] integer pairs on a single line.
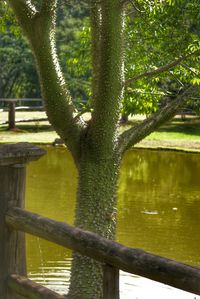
[[96, 212], [93, 148], [109, 91], [96, 149], [99, 161], [39, 27]]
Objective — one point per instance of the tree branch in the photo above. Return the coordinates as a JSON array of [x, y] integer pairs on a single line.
[[161, 69], [59, 107], [108, 93], [140, 131], [125, 2], [95, 21], [48, 7], [23, 9]]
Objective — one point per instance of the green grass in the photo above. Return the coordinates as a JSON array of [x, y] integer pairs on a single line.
[[45, 137], [188, 129], [176, 134], [34, 132], [172, 136]]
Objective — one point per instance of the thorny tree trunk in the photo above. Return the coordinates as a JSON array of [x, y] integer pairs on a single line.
[[95, 211], [95, 147], [99, 162]]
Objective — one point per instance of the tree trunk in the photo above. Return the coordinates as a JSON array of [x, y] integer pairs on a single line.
[[93, 146], [99, 162], [95, 211]]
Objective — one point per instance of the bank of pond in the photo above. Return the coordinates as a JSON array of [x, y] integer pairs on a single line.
[[158, 211]]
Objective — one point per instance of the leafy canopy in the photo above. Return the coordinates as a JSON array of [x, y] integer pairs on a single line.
[[156, 33]]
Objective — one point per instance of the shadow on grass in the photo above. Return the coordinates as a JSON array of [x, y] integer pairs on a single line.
[[190, 126], [28, 128]]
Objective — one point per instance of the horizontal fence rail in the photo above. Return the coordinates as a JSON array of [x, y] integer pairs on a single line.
[[21, 100], [26, 287], [131, 260]]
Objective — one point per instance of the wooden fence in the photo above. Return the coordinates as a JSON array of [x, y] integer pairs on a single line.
[[12, 108], [15, 221]]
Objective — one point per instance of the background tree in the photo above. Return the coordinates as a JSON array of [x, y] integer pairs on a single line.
[[173, 34], [97, 147], [71, 38], [170, 44], [165, 35], [18, 76]]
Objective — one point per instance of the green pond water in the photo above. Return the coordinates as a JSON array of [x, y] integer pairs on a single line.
[[158, 211]]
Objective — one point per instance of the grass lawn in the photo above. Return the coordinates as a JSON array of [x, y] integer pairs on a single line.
[[188, 129], [177, 134], [35, 132]]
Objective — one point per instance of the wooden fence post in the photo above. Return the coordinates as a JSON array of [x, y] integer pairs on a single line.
[[13, 160], [11, 115], [110, 282]]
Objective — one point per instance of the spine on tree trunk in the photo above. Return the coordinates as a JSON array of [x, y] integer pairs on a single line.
[[99, 161], [95, 211]]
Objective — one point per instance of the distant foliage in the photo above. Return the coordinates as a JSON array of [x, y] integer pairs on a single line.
[[157, 33], [73, 48], [18, 76]]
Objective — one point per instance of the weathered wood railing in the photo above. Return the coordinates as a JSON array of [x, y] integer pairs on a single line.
[[114, 256], [12, 109]]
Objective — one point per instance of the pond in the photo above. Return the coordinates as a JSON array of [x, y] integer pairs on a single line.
[[158, 211]]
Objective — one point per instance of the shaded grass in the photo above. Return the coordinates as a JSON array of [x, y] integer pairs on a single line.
[[38, 138], [31, 128], [187, 131], [179, 129], [34, 133]]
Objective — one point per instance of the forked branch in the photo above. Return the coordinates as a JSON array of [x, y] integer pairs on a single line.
[[161, 69], [146, 127]]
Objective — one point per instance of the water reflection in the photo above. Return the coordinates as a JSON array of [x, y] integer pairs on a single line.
[[159, 194], [158, 210]]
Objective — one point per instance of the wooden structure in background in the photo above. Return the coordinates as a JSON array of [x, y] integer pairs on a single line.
[[12, 108]]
